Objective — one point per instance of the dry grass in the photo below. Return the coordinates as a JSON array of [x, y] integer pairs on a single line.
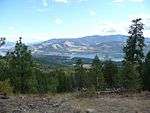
[[68, 103]]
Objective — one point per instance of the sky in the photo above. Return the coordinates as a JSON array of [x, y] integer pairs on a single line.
[[39, 20]]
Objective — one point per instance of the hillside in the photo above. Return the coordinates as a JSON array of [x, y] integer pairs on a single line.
[[106, 47], [69, 103]]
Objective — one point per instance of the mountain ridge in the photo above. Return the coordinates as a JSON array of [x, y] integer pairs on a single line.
[[106, 47]]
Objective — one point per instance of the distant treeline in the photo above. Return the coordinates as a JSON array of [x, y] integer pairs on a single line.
[[21, 73]]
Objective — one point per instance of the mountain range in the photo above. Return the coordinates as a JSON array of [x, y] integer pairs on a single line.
[[106, 47]]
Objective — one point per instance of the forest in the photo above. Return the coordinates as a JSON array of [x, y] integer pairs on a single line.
[[20, 73]]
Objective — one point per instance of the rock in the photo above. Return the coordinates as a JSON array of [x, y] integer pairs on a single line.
[[90, 111], [77, 111], [3, 95], [31, 106], [2, 108], [16, 111], [56, 105]]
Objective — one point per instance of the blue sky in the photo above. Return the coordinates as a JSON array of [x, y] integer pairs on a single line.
[[38, 20]]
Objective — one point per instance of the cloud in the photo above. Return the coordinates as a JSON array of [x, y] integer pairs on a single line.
[[11, 28], [137, 1], [45, 3], [61, 1], [58, 21], [146, 22], [123, 26], [68, 1], [41, 10], [92, 13], [118, 1], [109, 28], [121, 1], [27, 37], [83, 0]]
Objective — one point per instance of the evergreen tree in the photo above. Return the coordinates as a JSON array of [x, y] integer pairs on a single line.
[[20, 67], [131, 78], [96, 64], [2, 41], [41, 81], [61, 81], [3, 63], [95, 75], [3, 69], [147, 72], [134, 52], [80, 75], [135, 43], [110, 71]]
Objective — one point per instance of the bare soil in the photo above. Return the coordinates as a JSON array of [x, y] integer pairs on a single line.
[[71, 103]]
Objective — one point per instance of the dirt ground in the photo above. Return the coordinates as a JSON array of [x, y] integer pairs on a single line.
[[71, 103]]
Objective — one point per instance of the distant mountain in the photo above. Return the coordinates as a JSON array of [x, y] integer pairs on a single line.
[[6, 47], [106, 47]]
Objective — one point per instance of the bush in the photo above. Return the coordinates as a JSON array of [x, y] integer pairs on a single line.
[[5, 87]]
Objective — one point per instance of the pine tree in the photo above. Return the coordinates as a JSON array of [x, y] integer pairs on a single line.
[[20, 67], [61, 81], [96, 64], [41, 81], [131, 77], [133, 50], [110, 71], [80, 75], [2, 41], [95, 75], [135, 43], [3, 69], [147, 72]]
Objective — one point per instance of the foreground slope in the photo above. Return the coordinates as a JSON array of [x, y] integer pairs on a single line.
[[70, 103]]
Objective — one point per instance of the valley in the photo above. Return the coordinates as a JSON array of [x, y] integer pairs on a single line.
[[106, 47]]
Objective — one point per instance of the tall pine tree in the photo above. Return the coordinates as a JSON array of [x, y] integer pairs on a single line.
[[96, 75], [2, 41], [80, 75], [131, 77], [134, 55], [110, 71], [20, 67], [135, 43], [147, 72]]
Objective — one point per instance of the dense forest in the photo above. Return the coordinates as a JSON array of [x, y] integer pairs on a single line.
[[20, 73]]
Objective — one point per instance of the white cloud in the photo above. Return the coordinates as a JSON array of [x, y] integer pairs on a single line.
[[92, 13], [58, 21], [61, 1], [118, 1], [137, 1], [121, 1], [109, 28], [69, 1], [83, 0], [101, 28], [41, 10], [12, 28], [45, 3], [27, 38]]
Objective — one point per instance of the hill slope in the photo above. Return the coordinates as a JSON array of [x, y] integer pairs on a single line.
[[106, 47]]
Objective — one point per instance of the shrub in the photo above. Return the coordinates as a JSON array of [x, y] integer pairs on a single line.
[[6, 87]]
